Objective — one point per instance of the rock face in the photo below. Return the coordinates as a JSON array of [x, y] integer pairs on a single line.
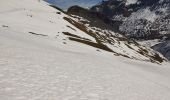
[[163, 48], [95, 19], [141, 19]]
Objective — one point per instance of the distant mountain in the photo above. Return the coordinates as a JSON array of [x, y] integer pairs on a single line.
[[163, 48], [141, 19], [136, 19]]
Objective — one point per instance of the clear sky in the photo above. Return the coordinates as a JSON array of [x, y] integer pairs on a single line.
[[64, 4]]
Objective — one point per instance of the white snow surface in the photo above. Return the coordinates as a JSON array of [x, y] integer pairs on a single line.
[[35, 67], [150, 43], [128, 2]]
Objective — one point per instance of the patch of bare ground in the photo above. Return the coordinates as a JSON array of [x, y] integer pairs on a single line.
[[37, 34], [71, 28]]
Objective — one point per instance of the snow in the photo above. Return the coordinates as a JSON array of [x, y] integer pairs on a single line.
[[146, 14], [128, 2], [149, 43], [37, 15], [35, 67]]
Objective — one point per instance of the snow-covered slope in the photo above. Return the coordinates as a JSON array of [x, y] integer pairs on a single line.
[[51, 23], [38, 62]]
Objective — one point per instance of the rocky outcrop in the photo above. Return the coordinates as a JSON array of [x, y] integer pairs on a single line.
[[95, 19]]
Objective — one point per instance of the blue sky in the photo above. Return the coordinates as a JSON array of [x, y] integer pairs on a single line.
[[64, 4]]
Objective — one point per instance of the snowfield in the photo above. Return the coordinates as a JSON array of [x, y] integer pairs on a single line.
[[37, 62]]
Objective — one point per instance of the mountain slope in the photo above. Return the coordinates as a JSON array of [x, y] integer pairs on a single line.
[[64, 28], [39, 62], [118, 44], [142, 20]]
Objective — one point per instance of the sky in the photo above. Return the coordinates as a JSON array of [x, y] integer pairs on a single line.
[[64, 4]]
